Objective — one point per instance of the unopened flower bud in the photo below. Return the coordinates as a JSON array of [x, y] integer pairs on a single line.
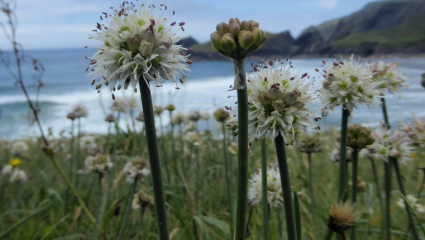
[[261, 43], [358, 137], [278, 105], [290, 98], [258, 35], [223, 28], [235, 29], [264, 99], [227, 43], [221, 115], [215, 40], [254, 24], [234, 20], [145, 48], [246, 39], [245, 25], [273, 93]]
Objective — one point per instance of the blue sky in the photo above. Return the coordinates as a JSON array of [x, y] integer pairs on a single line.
[[45, 24]]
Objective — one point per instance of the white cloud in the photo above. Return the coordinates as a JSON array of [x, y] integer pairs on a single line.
[[329, 4]]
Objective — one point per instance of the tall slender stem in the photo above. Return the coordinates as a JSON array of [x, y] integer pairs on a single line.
[[127, 208], [239, 65], [384, 111], [387, 184], [107, 139], [279, 223], [173, 145], [342, 181], [310, 185], [378, 191], [286, 188], [265, 199], [155, 165], [400, 184], [99, 200], [355, 157], [228, 183], [71, 151]]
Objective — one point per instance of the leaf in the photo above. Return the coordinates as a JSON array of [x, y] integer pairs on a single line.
[[201, 226], [108, 217], [55, 195], [414, 214], [223, 226]]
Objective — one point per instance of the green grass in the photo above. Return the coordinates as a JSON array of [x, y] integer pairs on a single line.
[[407, 34], [196, 196]]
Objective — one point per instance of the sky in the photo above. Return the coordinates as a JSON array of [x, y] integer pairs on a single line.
[[56, 24]]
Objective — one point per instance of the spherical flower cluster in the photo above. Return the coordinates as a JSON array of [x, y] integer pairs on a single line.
[[88, 142], [309, 143], [110, 118], [158, 110], [72, 116], [120, 105], [388, 76], [99, 163], [137, 42], [136, 168], [18, 176], [194, 116], [132, 103], [192, 137], [221, 115], [237, 39], [278, 101], [19, 148], [274, 188], [170, 107], [342, 217], [179, 118], [7, 170], [141, 199], [349, 83], [413, 201], [416, 131], [80, 110], [387, 144], [358, 137]]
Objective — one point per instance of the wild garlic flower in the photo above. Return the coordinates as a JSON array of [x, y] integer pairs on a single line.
[[206, 116], [137, 167], [99, 163], [7, 170], [88, 142], [388, 76], [413, 201], [141, 199], [274, 188], [140, 117], [192, 137], [72, 116], [137, 42], [19, 148], [170, 107], [132, 103], [309, 143], [347, 82], [194, 116], [158, 110], [80, 110], [390, 144], [278, 101], [416, 131], [110, 118], [221, 115], [18, 176], [120, 105]]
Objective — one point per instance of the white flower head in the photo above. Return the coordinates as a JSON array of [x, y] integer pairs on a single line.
[[137, 167], [132, 102], [194, 115], [158, 110], [87, 142], [347, 82], [137, 41], [274, 188], [388, 76], [7, 170], [416, 131], [18, 176], [141, 199], [99, 163], [390, 144], [192, 137], [80, 111], [278, 101], [120, 105], [413, 201], [19, 148], [335, 154], [179, 118]]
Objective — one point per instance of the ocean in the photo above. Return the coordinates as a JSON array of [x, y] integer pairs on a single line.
[[205, 89]]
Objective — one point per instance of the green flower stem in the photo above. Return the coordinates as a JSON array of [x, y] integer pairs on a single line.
[[239, 65], [127, 208], [378, 190], [400, 184], [310, 186], [71, 151], [328, 235], [135, 131], [228, 183], [355, 157], [387, 217], [80, 201], [173, 146], [99, 202], [384, 111], [107, 139], [342, 181], [25, 219], [155, 165], [286, 188], [265, 199], [279, 223]]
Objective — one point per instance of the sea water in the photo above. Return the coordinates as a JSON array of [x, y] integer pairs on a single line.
[[206, 88]]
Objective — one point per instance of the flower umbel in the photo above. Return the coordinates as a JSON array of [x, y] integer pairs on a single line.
[[99, 163], [349, 83], [137, 42], [137, 167], [274, 189], [388, 76]]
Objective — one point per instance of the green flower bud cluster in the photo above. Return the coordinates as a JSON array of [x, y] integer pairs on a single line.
[[237, 39], [358, 137], [309, 143], [170, 107], [221, 115]]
